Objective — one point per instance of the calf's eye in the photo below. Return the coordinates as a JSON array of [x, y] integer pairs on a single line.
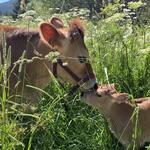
[[82, 59], [98, 94]]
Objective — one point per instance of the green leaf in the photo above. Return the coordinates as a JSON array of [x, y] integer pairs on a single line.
[[135, 5]]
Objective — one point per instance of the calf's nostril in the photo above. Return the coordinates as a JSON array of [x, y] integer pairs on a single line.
[[82, 93], [95, 86]]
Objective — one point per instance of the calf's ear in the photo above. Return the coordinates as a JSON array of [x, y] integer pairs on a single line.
[[113, 85], [49, 34], [121, 97], [58, 23]]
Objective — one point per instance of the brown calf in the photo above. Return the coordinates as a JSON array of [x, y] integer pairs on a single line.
[[121, 115], [35, 70]]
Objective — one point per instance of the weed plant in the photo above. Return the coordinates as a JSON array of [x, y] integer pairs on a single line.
[[119, 54]]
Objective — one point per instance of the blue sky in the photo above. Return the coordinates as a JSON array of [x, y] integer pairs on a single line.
[[1, 1]]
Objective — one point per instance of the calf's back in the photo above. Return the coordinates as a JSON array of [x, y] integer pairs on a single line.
[[25, 45]]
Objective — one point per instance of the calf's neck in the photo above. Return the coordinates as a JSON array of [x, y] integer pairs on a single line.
[[122, 115]]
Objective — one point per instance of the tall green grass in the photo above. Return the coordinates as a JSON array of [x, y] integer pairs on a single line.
[[125, 54], [62, 122]]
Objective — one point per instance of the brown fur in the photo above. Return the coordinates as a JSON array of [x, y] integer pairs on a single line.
[[77, 23], [7, 28], [118, 110], [37, 44]]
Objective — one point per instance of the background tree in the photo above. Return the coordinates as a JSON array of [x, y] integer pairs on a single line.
[[20, 7], [16, 9]]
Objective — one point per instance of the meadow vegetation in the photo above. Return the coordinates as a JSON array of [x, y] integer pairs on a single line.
[[119, 52]]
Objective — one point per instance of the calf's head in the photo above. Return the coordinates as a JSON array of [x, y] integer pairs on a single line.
[[69, 42], [105, 96]]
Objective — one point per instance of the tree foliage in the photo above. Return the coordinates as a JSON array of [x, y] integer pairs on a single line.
[[20, 7], [100, 8]]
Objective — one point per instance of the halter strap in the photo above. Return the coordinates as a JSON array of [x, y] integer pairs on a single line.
[[55, 69], [79, 81], [74, 76]]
